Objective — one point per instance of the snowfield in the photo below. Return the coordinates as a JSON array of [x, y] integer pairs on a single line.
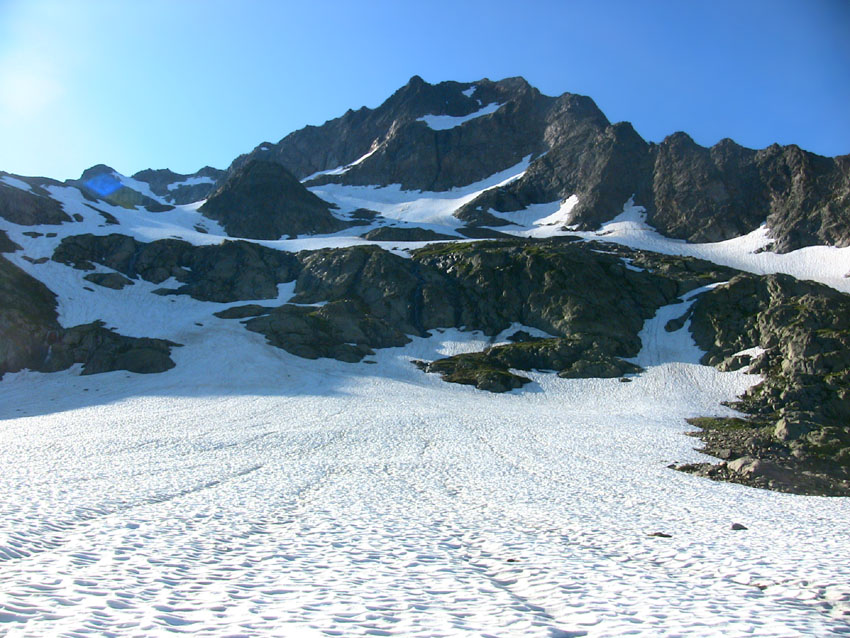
[[250, 492]]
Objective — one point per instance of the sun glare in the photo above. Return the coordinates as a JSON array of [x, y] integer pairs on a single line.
[[26, 92]]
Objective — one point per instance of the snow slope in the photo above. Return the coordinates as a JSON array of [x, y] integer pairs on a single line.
[[826, 264], [250, 492], [268, 495]]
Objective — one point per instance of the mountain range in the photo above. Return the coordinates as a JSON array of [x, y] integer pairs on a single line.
[[481, 206]]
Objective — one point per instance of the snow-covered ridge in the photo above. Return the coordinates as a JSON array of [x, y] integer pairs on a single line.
[[445, 122]]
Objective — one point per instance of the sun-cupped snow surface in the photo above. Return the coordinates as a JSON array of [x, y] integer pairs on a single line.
[[445, 122], [249, 492]]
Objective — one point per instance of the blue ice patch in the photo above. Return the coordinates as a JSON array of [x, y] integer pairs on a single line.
[[103, 184]]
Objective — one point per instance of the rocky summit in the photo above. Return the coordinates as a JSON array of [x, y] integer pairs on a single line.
[[480, 207]]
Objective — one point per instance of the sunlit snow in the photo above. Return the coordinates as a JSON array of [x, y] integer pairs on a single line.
[[445, 122], [251, 492], [15, 182], [191, 181]]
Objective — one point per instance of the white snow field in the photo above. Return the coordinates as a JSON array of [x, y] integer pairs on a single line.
[[250, 492]]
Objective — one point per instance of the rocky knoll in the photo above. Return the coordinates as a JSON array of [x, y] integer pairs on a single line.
[[263, 200], [32, 337], [101, 182], [798, 435]]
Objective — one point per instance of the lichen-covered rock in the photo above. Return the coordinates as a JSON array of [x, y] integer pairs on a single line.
[[231, 271], [391, 233], [800, 413]]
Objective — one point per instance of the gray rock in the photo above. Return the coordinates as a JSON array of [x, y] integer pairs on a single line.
[[28, 208], [262, 200], [109, 280]]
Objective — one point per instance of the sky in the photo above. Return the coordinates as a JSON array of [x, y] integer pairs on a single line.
[[185, 83]]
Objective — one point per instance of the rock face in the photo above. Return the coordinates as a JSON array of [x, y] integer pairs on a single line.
[[689, 191], [702, 194], [31, 337], [262, 200], [803, 329], [181, 189], [604, 165], [232, 271], [28, 320], [29, 208], [406, 150]]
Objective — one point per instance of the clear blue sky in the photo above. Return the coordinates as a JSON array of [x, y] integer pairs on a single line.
[[184, 83]]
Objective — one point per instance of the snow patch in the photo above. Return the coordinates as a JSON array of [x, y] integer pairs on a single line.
[[826, 264], [140, 187], [340, 170], [445, 122], [192, 181], [418, 207], [15, 182]]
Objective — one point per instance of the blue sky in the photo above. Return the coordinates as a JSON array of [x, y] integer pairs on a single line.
[[184, 83]]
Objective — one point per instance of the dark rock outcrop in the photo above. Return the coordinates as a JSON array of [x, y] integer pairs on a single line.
[[374, 298], [405, 150], [710, 194], [6, 244], [231, 271], [103, 350], [31, 337], [262, 200], [391, 233], [28, 319], [29, 208], [798, 431], [109, 280]]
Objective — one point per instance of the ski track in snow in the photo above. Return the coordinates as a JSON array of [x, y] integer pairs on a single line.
[[250, 492]]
